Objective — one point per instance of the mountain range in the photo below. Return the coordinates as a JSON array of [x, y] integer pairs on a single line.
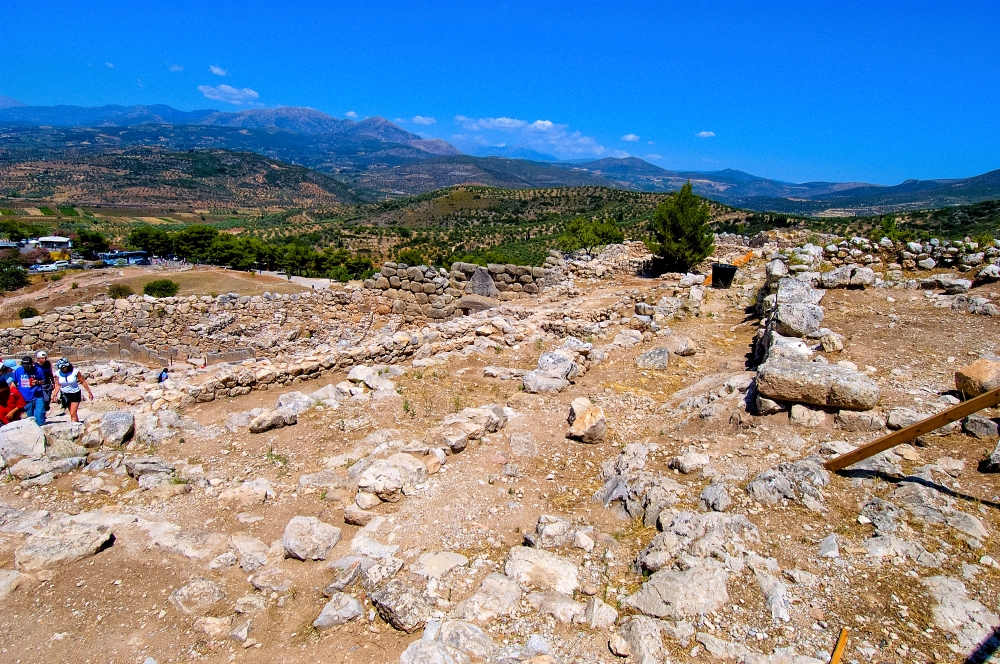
[[376, 158]]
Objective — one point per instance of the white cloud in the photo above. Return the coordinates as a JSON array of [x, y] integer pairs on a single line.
[[229, 94], [218, 71], [492, 124], [421, 120], [399, 121], [175, 68], [351, 114], [650, 143], [653, 156], [541, 135], [140, 83], [630, 138], [109, 65], [705, 134]]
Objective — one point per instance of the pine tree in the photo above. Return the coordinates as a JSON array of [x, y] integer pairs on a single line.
[[681, 235]]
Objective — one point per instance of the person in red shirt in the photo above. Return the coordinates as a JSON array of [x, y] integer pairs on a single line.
[[11, 404]]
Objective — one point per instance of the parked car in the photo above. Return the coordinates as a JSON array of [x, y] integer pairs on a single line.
[[51, 267]]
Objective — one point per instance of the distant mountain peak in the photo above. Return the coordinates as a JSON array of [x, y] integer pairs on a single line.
[[7, 102]]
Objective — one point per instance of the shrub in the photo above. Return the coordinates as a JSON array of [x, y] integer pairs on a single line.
[[27, 312], [681, 234], [74, 285], [119, 291], [161, 288], [55, 277], [410, 257]]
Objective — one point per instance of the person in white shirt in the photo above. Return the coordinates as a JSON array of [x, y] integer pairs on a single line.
[[68, 382]]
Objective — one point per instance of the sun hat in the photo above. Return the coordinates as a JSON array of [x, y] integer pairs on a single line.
[[41, 355]]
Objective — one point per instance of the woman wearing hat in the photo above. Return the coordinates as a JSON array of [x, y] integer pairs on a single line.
[[68, 384], [42, 362]]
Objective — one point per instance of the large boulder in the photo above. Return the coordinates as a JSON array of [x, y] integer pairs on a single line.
[[384, 480], [401, 605], [296, 402], [677, 594], [798, 319], [978, 378], [818, 384], [538, 382], [587, 421], [308, 538], [61, 543], [658, 359], [481, 284], [22, 438], [117, 427]]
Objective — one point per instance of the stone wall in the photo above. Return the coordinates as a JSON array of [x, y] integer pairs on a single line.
[[222, 329], [419, 290]]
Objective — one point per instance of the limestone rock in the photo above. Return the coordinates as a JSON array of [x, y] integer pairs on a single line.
[[401, 605], [22, 438], [537, 382], [681, 593], [804, 416], [798, 319], [598, 615], [11, 580], [481, 284], [817, 384], [382, 479], [308, 538], [563, 608], [117, 427], [587, 421], [978, 378], [197, 597], [438, 563], [273, 580], [645, 644], [542, 570], [61, 543], [715, 497], [657, 359], [341, 609], [296, 402], [468, 638], [432, 652], [955, 612], [522, 444], [498, 595], [980, 427]]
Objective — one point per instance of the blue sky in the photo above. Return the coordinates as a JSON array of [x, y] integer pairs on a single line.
[[848, 91]]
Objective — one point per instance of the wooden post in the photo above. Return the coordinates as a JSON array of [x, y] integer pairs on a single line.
[[925, 426], [838, 650]]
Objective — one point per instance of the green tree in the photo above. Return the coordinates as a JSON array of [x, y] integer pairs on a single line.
[[154, 241], [588, 234], [193, 242], [681, 235], [91, 243], [12, 272]]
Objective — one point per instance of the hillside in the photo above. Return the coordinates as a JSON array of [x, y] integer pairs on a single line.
[[376, 157], [151, 176]]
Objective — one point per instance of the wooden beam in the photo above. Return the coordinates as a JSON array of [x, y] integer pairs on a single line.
[[925, 426], [838, 650]]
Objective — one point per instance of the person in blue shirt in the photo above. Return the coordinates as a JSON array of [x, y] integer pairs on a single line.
[[30, 381]]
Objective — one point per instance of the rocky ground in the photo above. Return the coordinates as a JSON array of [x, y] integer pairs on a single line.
[[588, 478]]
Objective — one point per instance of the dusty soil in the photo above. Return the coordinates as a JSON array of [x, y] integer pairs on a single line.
[[112, 607]]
